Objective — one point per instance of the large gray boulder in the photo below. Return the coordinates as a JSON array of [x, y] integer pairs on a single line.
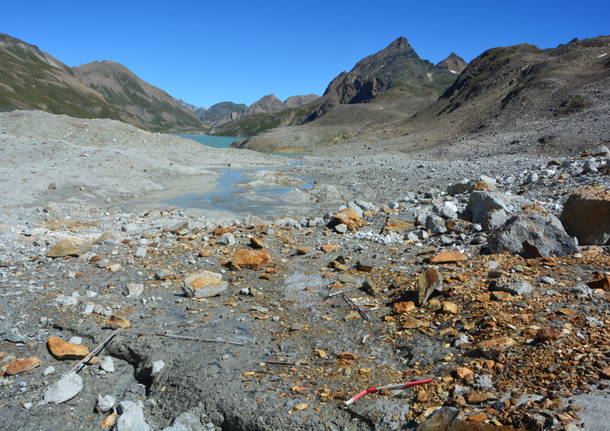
[[487, 208], [532, 234], [586, 215]]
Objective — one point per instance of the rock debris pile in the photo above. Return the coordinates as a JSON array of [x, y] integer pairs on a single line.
[[497, 289]]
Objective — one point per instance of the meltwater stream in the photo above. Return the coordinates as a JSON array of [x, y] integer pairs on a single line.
[[248, 191]]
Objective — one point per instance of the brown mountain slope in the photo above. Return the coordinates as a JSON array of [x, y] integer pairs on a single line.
[[454, 63], [32, 79], [152, 107], [540, 100], [296, 101], [516, 99]]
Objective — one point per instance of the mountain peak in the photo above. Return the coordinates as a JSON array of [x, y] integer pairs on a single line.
[[454, 63], [400, 43]]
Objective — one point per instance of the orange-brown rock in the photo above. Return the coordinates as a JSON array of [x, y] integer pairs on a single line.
[[117, 322], [494, 346], [403, 307], [548, 334], [398, 225], [413, 323], [348, 356], [61, 349], [422, 397], [483, 186], [477, 417], [350, 218], [479, 397], [328, 248], [450, 307], [256, 243], [462, 372], [222, 230], [501, 296], [21, 365], [109, 421], [449, 256], [253, 259]]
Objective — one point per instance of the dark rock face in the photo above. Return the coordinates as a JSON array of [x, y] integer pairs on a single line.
[[532, 234], [397, 64]]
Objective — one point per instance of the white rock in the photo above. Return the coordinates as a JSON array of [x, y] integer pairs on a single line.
[[105, 403], [157, 366], [134, 290], [132, 417], [64, 389], [107, 364]]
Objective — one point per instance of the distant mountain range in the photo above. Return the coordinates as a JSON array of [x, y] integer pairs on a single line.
[[33, 79], [396, 78], [531, 99], [223, 112]]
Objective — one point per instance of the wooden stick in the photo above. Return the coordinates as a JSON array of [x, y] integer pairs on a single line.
[[187, 337], [94, 352], [279, 363], [360, 310]]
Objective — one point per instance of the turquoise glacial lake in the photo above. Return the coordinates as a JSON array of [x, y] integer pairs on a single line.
[[213, 141]]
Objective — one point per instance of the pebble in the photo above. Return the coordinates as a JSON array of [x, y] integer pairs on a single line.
[[134, 290], [75, 340], [107, 364], [157, 366], [105, 403], [547, 280], [48, 371], [227, 239]]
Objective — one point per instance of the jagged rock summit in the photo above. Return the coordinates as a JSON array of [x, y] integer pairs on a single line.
[[454, 63]]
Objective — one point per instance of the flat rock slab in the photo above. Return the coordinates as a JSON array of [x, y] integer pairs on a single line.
[[67, 247], [449, 256], [252, 259], [204, 284], [61, 349], [64, 389], [21, 365]]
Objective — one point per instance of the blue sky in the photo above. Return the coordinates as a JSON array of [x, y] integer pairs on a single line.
[[209, 51]]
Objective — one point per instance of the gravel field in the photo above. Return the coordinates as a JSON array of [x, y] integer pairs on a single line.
[[384, 268]]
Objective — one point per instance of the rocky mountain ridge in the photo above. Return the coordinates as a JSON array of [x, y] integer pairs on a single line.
[[509, 99], [396, 78], [33, 79]]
